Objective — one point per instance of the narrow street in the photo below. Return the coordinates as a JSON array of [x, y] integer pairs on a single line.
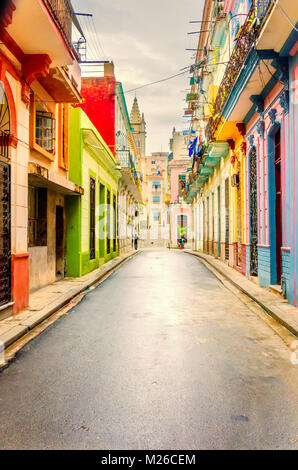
[[159, 356]]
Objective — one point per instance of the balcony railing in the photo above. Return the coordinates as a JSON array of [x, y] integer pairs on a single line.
[[61, 11], [4, 144], [126, 161], [247, 36]]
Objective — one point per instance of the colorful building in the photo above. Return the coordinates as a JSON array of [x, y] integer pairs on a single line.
[[180, 211], [243, 186], [91, 218], [113, 123], [39, 77], [155, 169]]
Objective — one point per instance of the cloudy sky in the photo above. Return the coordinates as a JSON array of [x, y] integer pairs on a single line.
[[147, 42]]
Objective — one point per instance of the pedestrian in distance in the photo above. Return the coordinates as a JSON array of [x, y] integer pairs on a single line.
[[136, 241]]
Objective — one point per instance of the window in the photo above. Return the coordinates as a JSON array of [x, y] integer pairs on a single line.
[[37, 216], [63, 125], [44, 129], [108, 222], [182, 185], [114, 223], [153, 162], [92, 218], [157, 216], [156, 198], [156, 187]]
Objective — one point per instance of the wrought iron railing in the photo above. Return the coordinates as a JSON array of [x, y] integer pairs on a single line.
[[247, 36], [4, 144], [61, 11], [126, 161]]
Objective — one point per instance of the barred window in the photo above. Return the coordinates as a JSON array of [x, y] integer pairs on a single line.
[[44, 129], [37, 216]]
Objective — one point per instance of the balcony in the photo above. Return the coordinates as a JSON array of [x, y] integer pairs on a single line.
[[129, 174], [244, 44], [61, 11], [48, 30]]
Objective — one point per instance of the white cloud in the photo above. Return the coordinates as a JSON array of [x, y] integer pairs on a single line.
[[147, 41]]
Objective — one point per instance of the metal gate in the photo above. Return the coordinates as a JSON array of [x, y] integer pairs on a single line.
[[227, 215], [253, 199], [92, 218], [5, 255]]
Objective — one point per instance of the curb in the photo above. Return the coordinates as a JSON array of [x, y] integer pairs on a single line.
[[267, 309], [25, 327]]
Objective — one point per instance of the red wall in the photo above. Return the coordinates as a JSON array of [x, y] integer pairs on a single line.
[[99, 95], [20, 281]]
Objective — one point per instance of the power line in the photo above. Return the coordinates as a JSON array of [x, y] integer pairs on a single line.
[[93, 32], [97, 38], [158, 81], [285, 14]]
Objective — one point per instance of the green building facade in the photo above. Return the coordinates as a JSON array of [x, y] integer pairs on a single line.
[[92, 217]]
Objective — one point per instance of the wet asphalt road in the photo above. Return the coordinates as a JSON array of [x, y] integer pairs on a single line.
[[160, 356]]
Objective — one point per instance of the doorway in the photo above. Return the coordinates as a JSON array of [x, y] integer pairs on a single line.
[[253, 202], [101, 221], [59, 242], [5, 256], [218, 222], [227, 216], [278, 205]]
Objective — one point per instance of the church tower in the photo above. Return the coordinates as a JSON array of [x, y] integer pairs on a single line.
[[138, 125]]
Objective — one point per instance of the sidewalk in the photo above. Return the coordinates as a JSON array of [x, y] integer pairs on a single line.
[[47, 300], [275, 306]]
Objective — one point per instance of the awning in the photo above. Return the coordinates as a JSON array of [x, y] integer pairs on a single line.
[[41, 177]]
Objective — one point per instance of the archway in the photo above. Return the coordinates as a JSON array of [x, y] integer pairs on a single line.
[[4, 111]]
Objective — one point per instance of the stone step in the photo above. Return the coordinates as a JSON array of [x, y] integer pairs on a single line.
[[276, 289]]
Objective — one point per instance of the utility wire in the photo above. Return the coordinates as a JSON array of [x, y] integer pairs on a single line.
[[97, 37], [92, 32], [286, 15], [273, 76], [158, 81]]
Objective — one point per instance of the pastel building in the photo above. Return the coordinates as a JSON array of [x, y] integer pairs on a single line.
[[106, 107], [155, 197], [243, 187], [39, 78], [180, 211], [92, 218]]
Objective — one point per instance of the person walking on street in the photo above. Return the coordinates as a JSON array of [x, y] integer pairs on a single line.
[[136, 241]]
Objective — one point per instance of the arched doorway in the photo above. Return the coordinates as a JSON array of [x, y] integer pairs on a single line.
[[4, 123], [182, 227], [253, 210], [5, 256]]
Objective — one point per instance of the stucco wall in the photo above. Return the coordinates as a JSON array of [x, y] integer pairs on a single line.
[[42, 260], [99, 94]]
